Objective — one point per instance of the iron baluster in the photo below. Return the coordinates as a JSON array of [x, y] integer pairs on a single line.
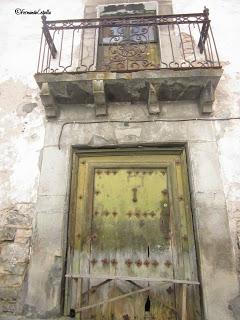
[[48, 37], [128, 43], [204, 31]]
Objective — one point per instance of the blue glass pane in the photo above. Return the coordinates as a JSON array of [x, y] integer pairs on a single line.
[[142, 34]]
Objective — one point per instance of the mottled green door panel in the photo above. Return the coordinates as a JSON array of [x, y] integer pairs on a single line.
[[133, 220], [131, 235]]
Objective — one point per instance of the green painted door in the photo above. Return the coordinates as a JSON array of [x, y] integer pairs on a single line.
[[133, 222]]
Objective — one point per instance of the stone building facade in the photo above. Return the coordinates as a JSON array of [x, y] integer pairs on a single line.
[[47, 121]]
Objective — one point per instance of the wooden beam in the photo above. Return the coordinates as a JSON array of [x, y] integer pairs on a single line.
[[126, 278], [113, 299], [184, 302], [121, 297]]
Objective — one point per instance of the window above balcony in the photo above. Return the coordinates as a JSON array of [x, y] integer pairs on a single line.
[[129, 57]]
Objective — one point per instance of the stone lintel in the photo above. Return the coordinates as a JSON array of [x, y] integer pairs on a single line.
[[99, 98], [51, 109], [206, 98]]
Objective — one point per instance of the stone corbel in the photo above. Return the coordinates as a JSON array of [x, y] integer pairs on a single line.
[[99, 98], [51, 109], [206, 99], [153, 103]]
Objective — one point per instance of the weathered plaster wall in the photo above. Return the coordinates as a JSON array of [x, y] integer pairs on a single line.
[[209, 209], [21, 138], [226, 23], [22, 130], [21, 135]]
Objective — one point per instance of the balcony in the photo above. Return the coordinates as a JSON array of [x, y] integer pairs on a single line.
[[128, 59]]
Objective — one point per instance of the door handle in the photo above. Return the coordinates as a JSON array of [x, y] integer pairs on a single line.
[[134, 190]]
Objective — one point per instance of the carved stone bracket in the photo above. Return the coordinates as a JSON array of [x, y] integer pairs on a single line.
[[51, 109], [206, 98], [153, 103], [152, 87], [99, 98]]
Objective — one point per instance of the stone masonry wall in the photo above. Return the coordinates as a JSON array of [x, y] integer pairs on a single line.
[[15, 245]]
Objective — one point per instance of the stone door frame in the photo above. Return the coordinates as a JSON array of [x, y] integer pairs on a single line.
[[72, 285], [215, 252]]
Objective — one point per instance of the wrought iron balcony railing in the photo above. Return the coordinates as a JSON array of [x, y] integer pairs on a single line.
[[129, 43]]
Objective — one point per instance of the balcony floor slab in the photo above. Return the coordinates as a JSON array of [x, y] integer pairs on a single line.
[[168, 85]]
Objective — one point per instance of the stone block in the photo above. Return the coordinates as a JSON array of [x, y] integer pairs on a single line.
[[54, 172], [10, 280], [45, 285], [52, 132], [28, 107], [99, 97], [201, 131], [90, 12], [15, 252], [153, 103], [214, 237], [234, 306], [128, 134], [204, 167], [97, 140], [218, 286], [48, 101], [8, 293], [8, 307], [179, 109], [206, 99], [7, 234], [23, 235], [12, 267], [209, 200], [49, 233], [51, 205], [17, 217], [160, 132]]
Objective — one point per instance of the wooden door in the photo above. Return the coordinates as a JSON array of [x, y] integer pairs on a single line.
[[133, 228]]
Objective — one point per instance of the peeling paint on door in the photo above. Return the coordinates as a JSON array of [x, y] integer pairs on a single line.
[[133, 221]]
